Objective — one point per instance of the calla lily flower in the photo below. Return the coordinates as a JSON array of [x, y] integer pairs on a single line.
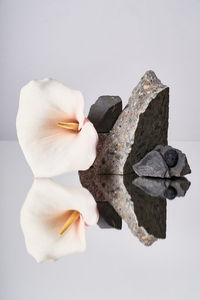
[[53, 133], [54, 217]]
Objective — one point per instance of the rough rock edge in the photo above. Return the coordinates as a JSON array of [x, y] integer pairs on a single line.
[[118, 144]]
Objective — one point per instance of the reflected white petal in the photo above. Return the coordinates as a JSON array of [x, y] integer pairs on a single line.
[[44, 213]]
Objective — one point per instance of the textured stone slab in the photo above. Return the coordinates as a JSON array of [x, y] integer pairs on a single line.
[[104, 113], [165, 188], [141, 126], [163, 162]]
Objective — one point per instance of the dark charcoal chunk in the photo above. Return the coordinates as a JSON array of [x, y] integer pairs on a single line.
[[109, 215], [104, 113], [171, 158]]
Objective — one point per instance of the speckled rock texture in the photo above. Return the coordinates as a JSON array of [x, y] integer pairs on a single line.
[[141, 126], [165, 188], [90, 180], [111, 188], [163, 162]]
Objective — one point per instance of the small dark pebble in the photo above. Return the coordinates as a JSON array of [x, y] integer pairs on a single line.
[[171, 158]]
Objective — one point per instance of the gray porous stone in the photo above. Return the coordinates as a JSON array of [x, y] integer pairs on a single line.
[[163, 162], [141, 126], [104, 113], [152, 165], [165, 188]]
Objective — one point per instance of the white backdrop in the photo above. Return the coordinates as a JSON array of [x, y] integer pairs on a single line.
[[102, 47]]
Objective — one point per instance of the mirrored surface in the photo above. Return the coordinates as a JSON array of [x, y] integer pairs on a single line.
[[145, 244]]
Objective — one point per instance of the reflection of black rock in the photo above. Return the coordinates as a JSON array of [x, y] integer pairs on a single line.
[[150, 210], [163, 162], [166, 188], [170, 193], [111, 188], [108, 216], [139, 201]]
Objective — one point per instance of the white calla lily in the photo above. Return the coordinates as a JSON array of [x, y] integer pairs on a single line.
[[54, 217], [52, 130]]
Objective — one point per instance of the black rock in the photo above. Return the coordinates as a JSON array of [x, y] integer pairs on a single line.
[[170, 193], [171, 158], [104, 113], [163, 162], [181, 168]]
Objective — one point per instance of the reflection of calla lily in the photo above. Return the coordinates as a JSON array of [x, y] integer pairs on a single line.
[[53, 219], [52, 131]]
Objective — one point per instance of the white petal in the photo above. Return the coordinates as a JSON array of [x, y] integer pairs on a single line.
[[51, 150], [45, 212]]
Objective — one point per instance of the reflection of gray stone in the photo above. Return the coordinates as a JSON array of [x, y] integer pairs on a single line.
[[104, 113], [166, 188], [118, 196], [141, 126], [115, 190], [150, 211], [163, 162]]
